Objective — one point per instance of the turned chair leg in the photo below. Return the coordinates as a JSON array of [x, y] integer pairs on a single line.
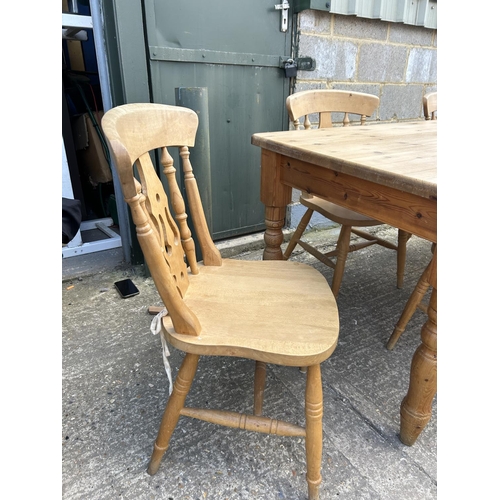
[[410, 307], [403, 238], [314, 430], [342, 251], [172, 410], [259, 385], [298, 233]]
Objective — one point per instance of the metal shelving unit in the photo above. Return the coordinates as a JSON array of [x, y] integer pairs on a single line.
[[74, 27]]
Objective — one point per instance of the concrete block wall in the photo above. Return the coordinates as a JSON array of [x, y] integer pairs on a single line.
[[394, 61]]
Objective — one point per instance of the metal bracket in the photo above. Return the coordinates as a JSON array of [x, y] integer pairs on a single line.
[[306, 63], [284, 15], [303, 63]]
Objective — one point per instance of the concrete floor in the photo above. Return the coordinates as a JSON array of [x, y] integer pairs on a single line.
[[115, 389]]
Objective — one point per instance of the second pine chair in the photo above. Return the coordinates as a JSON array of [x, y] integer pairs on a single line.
[[304, 104]]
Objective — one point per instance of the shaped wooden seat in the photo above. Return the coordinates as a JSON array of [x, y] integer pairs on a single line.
[[325, 102], [415, 301], [278, 312]]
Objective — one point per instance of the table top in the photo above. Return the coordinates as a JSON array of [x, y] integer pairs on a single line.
[[399, 155]]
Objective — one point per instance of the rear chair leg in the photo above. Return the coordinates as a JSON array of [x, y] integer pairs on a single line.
[[172, 410], [259, 386], [342, 251], [301, 227], [314, 430], [403, 238], [410, 307]]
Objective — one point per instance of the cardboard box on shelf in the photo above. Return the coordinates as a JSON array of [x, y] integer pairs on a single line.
[[90, 150]]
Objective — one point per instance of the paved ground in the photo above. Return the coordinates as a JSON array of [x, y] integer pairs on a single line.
[[115, 389]]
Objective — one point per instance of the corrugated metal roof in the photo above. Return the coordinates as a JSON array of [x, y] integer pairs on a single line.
[[415, 12]]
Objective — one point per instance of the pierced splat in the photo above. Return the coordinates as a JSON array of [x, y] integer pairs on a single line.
[[162, 222]]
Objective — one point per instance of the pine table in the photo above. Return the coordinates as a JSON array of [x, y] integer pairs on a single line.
[[386, 171]]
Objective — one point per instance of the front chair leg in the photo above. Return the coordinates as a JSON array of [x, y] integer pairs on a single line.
[[172, 410], [314, 430]]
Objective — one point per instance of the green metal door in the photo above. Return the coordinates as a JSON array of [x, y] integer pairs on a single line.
[[235, 49]]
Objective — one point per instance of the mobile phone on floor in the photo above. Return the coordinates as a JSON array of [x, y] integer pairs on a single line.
[[126, 288]]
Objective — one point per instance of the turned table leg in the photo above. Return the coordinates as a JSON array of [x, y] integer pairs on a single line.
[[275, 196], [273, 237], [416, 408]]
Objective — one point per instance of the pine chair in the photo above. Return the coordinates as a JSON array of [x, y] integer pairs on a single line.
[[324, 102], [430, 102], [269, 311], [416, 297]]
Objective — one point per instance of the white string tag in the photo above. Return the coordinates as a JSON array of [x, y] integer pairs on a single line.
[[155, 329]]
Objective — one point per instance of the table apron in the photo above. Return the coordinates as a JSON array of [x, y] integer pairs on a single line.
[[410, 212]]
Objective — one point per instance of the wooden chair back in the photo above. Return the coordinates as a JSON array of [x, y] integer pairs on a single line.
[[325, 102], [134, 132], [430, 102]]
